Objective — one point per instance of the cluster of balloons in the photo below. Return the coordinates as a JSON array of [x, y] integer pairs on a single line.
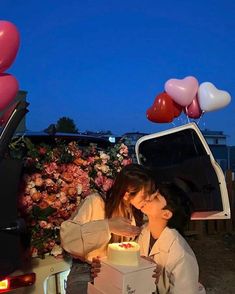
[[9, 45], [188, 96]]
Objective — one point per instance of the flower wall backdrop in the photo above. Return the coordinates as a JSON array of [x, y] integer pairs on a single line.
[[55, 179]]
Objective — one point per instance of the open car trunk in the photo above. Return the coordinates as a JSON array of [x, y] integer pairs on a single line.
[[183, 153], [11, 228]]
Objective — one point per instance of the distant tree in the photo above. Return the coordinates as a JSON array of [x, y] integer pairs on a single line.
[[51, 129], [66, 125]]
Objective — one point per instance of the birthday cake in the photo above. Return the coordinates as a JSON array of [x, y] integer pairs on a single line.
[[125, 253], [123, 272]]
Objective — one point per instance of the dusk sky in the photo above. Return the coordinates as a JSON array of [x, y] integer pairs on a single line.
[[102, 63]]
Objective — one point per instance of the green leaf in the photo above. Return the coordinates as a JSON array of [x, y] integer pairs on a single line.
[[42, 214]]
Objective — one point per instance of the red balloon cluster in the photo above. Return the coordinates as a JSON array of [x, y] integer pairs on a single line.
[[186, 95], [9, 45]]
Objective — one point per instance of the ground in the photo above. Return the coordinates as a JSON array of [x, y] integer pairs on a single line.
[[216, 258]]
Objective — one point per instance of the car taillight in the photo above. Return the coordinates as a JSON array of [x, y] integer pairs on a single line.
[[11, 283]]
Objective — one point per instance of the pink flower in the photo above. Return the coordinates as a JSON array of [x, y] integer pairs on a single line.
[[49, 182], [99, 180], [44, 225], [123, 149], [36, 196], [90, 159], [126, 161], [34, 252], [43, 204], [38, 182], [57, 204], [107, 184], [62, 197], [50, 168], [25, 201], [61, 186]]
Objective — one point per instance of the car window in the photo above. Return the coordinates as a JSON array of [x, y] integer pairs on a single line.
[[183, 153], [172, 149]]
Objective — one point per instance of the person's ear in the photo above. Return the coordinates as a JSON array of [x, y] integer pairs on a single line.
[[167, 214], [126, 196]]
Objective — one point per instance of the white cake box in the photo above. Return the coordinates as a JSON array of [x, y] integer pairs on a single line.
[[118, 279], [93, 290]]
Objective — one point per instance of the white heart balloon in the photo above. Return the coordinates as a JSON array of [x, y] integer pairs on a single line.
[[210, 98]]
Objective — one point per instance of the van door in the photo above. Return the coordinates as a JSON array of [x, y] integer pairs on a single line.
[[183, 152]]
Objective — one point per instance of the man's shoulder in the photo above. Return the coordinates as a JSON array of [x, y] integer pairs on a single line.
[[179, 246], [171, 239]]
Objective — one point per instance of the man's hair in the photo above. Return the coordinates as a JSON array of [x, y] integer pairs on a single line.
[[178, 203]]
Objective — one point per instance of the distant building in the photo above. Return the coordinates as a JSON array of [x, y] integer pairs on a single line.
[[214, 137], [217, 142]]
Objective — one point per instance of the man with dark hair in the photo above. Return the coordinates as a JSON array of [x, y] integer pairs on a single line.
[[168, 212]]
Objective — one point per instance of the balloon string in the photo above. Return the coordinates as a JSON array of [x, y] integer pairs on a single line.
[[186, 108], [200, 118]]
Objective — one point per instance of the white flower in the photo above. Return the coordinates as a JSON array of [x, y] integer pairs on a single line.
[[102, 167], [56, 250], [79, 189], [32, 191], [31, 184], [104, 156]]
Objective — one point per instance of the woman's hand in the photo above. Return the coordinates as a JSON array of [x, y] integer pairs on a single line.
[[122, 227], [95, 267]]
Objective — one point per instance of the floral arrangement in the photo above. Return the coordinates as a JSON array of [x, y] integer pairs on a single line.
[[54, 181]]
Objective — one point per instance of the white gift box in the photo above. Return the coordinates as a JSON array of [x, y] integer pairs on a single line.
[[93, 290], [118, 279]]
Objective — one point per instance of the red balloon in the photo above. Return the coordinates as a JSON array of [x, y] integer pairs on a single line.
[[9, 44], [162, 110], [193, 110], [8, 90], [177, 109]]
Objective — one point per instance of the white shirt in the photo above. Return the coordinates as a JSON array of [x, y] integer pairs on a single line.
[[86, 234], [180, 271]]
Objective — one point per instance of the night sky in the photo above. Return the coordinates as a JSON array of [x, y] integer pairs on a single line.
[[102, 63]]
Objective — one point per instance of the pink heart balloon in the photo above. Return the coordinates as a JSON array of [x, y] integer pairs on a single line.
[[182, 91], [193, 110], [8, 90], [9, 44]]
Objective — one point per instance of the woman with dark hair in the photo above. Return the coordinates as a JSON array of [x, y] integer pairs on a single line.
[[99, 221], [161, 239]]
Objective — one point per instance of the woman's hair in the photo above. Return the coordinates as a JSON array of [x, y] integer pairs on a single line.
[[133, 178], [178, 203]]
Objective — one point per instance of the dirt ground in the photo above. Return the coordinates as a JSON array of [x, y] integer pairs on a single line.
[[216, 258]]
